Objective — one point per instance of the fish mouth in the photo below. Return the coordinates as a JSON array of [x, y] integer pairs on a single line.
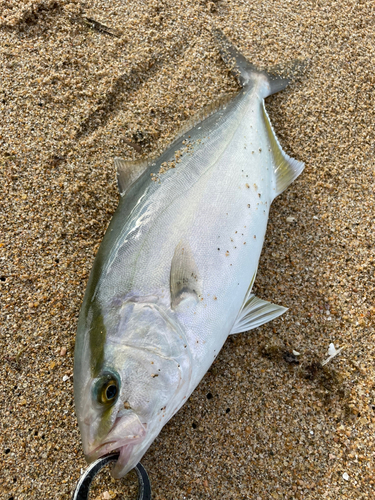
[[117, 442], [125, 452], [113, 446]]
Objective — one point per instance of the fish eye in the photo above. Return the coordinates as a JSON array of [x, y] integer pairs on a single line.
[[111, 392], [108, 390]]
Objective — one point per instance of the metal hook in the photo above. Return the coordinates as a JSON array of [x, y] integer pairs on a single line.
[[83, 486]]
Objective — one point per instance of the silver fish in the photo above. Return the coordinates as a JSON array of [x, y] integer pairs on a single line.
[[173, 275]]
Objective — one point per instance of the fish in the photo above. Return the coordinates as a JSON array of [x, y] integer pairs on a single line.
[[173, 276]]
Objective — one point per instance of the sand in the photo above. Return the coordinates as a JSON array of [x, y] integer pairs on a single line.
[[265, 423]]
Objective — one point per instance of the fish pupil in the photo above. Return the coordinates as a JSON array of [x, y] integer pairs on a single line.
[[111, 392]]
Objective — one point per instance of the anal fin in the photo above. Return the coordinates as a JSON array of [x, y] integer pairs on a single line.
[[286, 169], [255, 312]]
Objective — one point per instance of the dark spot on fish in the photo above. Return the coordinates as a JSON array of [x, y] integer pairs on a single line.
[[209, 396], [194, 425], [7, 451], [2, 278], [227, 410]]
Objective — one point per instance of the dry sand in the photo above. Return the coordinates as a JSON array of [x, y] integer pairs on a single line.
[[73, 95]]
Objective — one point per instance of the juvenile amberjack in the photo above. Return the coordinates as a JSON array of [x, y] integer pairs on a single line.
[[173, 275]]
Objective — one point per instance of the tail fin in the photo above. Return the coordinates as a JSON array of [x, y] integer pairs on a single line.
[[277, 78]]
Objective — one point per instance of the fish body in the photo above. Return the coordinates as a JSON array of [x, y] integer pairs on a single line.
[[173, 275]]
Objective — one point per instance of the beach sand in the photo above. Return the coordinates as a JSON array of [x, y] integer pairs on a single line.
[[84, 82]]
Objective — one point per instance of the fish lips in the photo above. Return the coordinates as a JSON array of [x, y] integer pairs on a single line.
[[126, 433]]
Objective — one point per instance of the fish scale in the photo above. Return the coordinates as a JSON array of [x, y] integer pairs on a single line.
[[173, 275]]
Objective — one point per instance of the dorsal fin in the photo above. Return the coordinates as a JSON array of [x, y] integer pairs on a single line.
[[244, 71], [286, 169], [202, 114], [128, 171], [185, 282]]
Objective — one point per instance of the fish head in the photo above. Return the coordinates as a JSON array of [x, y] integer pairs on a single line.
[[135, 385]]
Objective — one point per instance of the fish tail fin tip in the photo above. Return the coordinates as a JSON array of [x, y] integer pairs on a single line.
[[286, 169], [244, 71]]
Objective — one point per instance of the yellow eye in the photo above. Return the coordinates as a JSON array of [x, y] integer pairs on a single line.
[[109, 392]]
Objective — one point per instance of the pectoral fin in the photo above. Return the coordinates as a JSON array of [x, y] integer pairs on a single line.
[[185, 282], [255, 312]]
